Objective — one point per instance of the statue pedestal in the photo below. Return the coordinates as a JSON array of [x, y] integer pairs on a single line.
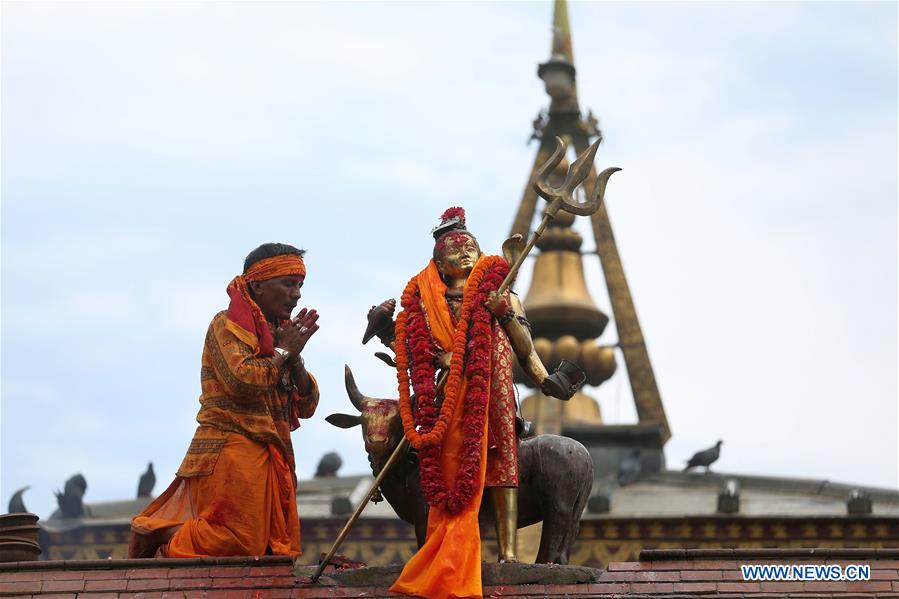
[[493, 575]]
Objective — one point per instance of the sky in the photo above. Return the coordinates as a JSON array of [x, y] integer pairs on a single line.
[[148, 147]]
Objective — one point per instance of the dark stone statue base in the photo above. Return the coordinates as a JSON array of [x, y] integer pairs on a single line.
[[492, 575]]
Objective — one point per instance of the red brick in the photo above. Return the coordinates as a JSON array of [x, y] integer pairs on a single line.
[[738, 587], [188, 572], [652, 587], [228, 594], [105, 585], [620, 576], [309, 592], [271, 570], [538, 590], [189, 583], [283, 581], [731, 575], [147, 573], [653, 576], [821, 586], [622, 566], [884, 564], [141, 595], [272, 594], [716, 564], [98, 596], [566, 589], [884, 575], [675, 565], [17, 596], [782, 586], [702, 575], [150, 584], [608, 587], [50, 586], [57, 596], [190, 594], [24, 587], [356, 592], [103, 574], [240, 583], [869, 586], [229, 571], [895, 584], [22, 576], [694, 587]]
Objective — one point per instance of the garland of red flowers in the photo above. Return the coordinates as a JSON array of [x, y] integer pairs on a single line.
[[472, 344]]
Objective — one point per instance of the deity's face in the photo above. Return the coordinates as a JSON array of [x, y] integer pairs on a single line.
[[277, 297], [456, 254]]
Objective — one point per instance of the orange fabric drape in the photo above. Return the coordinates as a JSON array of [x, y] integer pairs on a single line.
[[245, 507], [449, 563]]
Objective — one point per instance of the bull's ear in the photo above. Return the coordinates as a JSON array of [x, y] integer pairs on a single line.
[[344, 420]]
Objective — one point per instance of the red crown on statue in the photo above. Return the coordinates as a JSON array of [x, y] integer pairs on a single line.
[[451, 219]]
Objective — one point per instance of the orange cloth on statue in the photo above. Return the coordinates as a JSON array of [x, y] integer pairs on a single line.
[[246, 507], [449, 563]]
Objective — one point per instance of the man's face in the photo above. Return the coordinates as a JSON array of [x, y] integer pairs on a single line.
[[458, 256], [277, 297]]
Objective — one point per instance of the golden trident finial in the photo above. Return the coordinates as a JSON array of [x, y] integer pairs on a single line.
[[559, 198]]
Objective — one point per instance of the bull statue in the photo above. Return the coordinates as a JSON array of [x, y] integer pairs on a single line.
[[555, 476]]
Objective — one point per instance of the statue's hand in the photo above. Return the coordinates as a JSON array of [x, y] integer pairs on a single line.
[[497, 304], [444, 360]]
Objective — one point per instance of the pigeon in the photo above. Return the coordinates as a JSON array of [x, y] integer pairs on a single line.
[[70, 500], [146, 482], [629, 468], [16, 503], [706, 457], [380, 322], [328, 465]]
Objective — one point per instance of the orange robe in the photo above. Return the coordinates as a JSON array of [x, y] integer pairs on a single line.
[[449, 563], [235, 492]]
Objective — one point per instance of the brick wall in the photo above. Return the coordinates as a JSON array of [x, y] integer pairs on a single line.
[[657, 575]]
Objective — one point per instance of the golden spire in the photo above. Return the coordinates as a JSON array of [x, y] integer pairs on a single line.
[[564, 317], [562, 31]]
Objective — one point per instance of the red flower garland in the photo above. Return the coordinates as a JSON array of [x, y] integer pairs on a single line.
[[424, 352]]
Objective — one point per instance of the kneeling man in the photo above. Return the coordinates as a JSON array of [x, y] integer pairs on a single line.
[[235, 492]]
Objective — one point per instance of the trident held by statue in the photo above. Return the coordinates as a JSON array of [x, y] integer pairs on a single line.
[[558, 198]]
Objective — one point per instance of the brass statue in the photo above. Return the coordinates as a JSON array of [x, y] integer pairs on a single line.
[[454, 340]]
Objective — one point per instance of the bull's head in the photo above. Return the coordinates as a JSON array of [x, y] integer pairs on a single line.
[[381, 424]]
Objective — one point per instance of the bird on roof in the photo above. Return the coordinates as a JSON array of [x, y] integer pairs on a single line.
[[706, 457], [629, 468], [146, 482], [328, 465], [70, 499], [16, 503]]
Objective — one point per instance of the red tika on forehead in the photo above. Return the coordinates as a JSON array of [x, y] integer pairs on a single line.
[[454, 212], [454, 237]]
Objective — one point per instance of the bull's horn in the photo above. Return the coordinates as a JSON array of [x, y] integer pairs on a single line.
[[351, 389]]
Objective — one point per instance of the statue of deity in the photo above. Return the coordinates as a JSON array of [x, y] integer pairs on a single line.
[[455, 324]]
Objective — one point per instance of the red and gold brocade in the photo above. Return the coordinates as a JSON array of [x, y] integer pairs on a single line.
[[242, 393]]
